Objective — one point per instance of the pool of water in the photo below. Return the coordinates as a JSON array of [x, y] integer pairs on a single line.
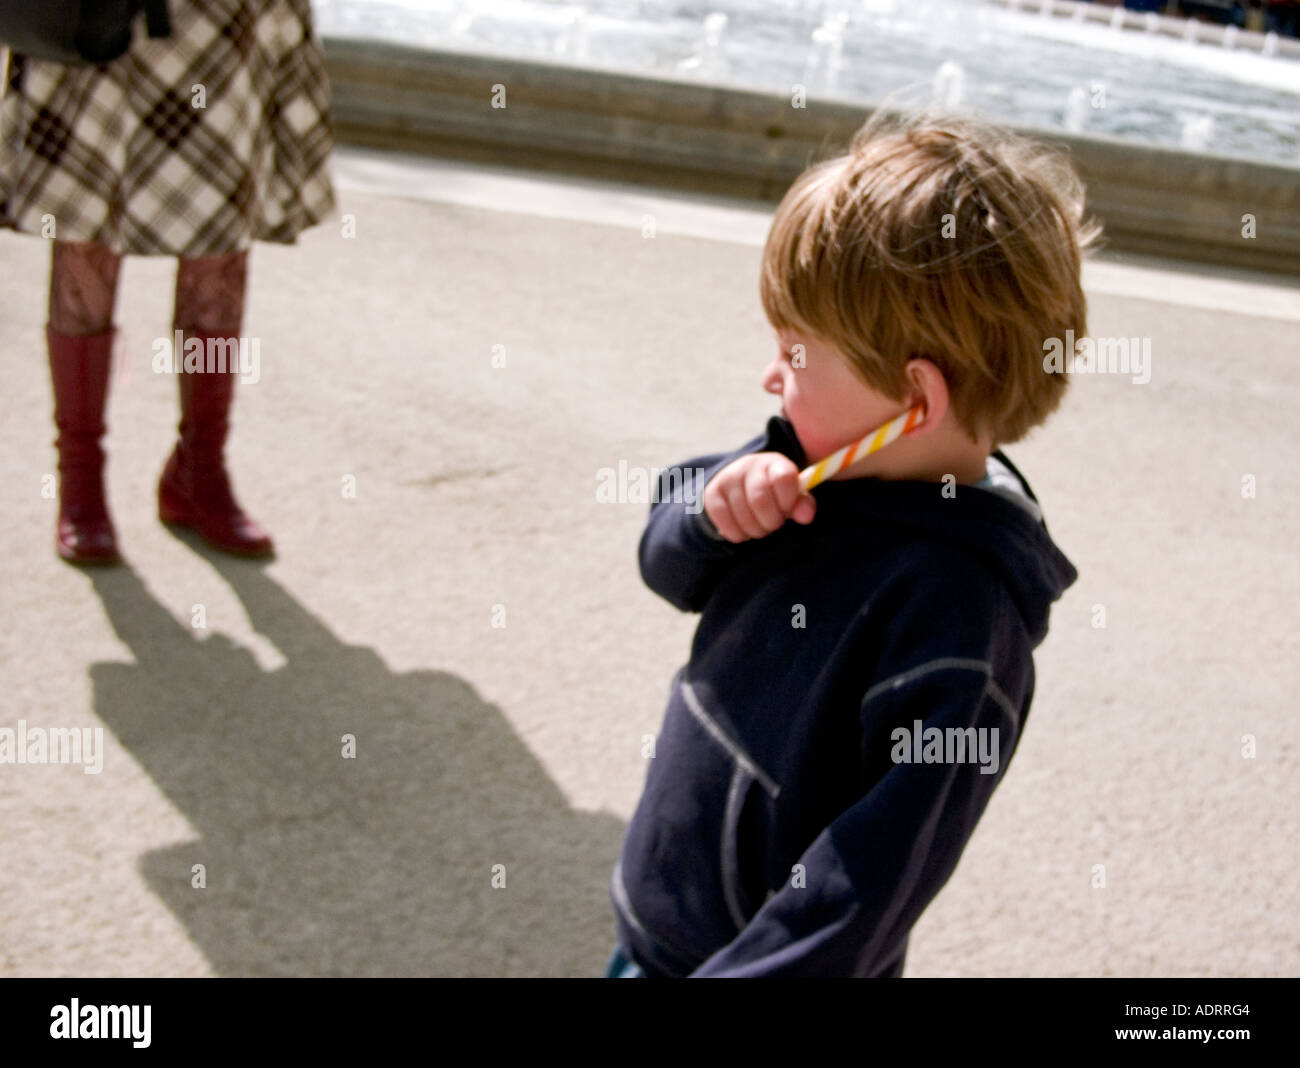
[[1012, 65]]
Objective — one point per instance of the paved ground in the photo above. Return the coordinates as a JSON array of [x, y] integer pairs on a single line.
[[521, 745]]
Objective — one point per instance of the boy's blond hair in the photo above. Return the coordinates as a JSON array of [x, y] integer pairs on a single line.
[[941, 237]]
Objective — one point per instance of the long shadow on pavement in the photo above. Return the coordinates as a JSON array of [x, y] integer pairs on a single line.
[[320, 865]]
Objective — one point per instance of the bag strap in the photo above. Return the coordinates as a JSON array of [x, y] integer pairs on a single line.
[[157, 21]]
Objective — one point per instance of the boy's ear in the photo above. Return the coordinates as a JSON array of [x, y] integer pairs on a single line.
[[927, 386]]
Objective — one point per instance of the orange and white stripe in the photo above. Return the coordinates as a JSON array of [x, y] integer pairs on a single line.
[[864, 446]]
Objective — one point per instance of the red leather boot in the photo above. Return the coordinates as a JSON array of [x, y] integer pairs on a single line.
[[195, 489], [79, 371]]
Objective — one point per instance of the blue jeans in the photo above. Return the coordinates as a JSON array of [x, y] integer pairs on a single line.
[[621, 966]]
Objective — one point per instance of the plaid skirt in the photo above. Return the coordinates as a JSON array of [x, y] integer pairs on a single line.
[[193, 145]]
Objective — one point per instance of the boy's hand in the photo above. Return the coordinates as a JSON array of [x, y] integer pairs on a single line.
[[755, 495]]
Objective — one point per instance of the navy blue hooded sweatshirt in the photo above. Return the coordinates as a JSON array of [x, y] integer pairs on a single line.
[[786, 829]]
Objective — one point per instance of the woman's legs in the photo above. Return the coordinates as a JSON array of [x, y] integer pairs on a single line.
[[195, 488], [83, 288], [210, 294], [79, 334]]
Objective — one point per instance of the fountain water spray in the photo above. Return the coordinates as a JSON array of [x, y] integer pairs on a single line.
[[1196, 132], [949, 85], [826, 56], [1076, 110], [709, 61]]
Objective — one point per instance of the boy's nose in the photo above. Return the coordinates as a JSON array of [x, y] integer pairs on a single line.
[[772, 381]]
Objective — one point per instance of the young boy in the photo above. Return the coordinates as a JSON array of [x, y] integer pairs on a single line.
[[862, 668]]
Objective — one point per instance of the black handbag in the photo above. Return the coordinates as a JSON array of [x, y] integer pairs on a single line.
[[77, 31]]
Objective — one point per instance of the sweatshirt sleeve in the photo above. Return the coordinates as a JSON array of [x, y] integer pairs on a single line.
[[857, 890], [682, 555]]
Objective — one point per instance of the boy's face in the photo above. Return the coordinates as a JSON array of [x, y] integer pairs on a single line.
[[826, 402]]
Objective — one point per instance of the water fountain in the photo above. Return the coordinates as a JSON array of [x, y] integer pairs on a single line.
[[573, 42], [949, 85], [826, 56], [1015, 60], [463, 24], [1076, 109], [1197, 130], [709, 60]]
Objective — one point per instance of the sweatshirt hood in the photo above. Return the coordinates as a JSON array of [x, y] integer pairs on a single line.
[[1000, 533]]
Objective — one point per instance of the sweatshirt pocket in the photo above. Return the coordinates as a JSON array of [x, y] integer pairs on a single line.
[[739, 797]]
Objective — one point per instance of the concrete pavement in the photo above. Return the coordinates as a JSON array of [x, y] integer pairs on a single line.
[[520, 745]]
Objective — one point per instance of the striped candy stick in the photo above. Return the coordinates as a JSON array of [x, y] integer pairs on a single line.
[[864, 446]]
